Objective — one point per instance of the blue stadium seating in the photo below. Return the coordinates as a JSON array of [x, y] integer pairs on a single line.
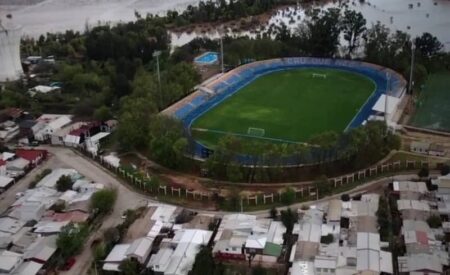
[[233, 81]]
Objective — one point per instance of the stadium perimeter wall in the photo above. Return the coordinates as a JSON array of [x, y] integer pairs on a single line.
[[196, 104]]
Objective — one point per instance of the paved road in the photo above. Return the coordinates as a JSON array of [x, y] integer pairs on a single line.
[[126, 199]]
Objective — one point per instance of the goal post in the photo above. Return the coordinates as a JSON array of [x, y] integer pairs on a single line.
[[314, 75], [256, 132]]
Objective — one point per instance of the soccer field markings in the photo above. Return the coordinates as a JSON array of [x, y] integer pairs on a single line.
[[246, 135]]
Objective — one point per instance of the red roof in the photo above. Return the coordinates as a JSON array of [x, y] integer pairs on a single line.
[[31, 154], [422, 237], [84, 129], [2, 162], [72, 216]]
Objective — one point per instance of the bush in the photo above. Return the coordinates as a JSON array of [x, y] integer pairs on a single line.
[[39, 177], [103, 201], [273, 213], [423, 172], [327, 239], [345, 197], [288, 196], [445, 169], [434, 221], [64, 183]]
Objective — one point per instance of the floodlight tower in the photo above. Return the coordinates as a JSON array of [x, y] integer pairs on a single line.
[[410, 84], [156, 54], [10, 64], [386, 95]]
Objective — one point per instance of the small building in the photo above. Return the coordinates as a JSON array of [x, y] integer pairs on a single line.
[[115, 257], [51, 179], [423, 263], [28, 211], [443, 184], [9, 261], [5, 183], [28, 268], [420, 147], [179, 255], [43, 89], [436, 150], [17, 167], [48, 124], [140, 249], [10, 225], [334, 212], [41, 250], [8, 130], [47, 228], [34, 156]]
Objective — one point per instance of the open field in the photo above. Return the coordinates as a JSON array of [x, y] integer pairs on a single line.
[[432, 110], [289, 105]]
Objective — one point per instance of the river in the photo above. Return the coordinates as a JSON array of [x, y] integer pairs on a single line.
[[412, 16]]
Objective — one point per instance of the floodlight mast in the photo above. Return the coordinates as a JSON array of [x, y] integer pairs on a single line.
[[156, 54]]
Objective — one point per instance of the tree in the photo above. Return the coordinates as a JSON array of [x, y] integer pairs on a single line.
[[288, 218], [428, 45], [64, 183], [445, 169], [423, 172], [103, 113], [288, 196], [434, 221], [204, 262], [273, 213], [322, 185], [345, 197], [167, 143], [327, 239], [319, 36], [130, 267], [103, 201], [353, 27], [71, 239]]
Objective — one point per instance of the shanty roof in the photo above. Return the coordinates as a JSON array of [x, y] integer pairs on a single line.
[[334, 210], [28, 268], [42, 249], [5, 181], [140, 247], [51, 179]]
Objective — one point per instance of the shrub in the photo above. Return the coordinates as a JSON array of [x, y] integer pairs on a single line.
[[327, 239]]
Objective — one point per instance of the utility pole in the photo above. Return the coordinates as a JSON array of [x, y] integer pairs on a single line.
[[413, 47], [386, 95], [221, 54], [157, 54]]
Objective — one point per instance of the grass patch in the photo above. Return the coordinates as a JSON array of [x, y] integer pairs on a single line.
[[432, 110], [289, 105]]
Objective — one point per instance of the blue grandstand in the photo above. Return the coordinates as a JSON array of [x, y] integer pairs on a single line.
[[231, 82]]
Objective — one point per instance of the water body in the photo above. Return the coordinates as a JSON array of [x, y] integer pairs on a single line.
[[41, 16]]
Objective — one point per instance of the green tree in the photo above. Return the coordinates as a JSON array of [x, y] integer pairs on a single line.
[[273, 213], [64, 183], [353, 27], [327, 239], [289, 218], [323, 186], [103, 113], [423, 172], [434, 221], [428, 45], [130, 267], [445, 169], [288, 196], [167, 143], [103, 201], [204, 262], [71, 239], [319, 36]]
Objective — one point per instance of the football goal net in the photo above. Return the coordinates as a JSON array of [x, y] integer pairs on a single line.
[[256, 132], [319, 75]]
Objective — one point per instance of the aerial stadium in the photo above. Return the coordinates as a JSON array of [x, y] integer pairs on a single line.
[[289, 100]]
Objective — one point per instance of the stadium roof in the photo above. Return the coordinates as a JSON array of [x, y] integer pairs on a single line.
[[381, 102]]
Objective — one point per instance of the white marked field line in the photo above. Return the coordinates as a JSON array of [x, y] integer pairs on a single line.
[[245, 135]]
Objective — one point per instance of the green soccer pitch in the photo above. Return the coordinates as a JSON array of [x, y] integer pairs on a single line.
[[291, 105], [433, 106]]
